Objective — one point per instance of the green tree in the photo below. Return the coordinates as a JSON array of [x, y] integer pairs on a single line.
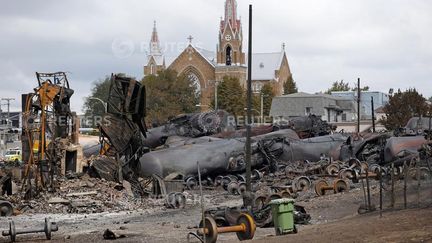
[[338, 86], [290, 86], [268, 94], [402, 106], [231, 96], [364, 88], [169, 95], [93, 107]]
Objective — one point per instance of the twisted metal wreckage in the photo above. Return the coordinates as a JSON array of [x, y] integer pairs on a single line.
[[50, 134], [168, 154]]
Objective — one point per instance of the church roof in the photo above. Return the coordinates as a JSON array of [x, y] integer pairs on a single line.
[[265, 64], [209, 55]]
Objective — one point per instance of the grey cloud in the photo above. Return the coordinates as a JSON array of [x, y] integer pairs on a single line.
[[386, 44]]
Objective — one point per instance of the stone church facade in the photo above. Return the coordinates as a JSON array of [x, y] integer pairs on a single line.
[[207, 68]]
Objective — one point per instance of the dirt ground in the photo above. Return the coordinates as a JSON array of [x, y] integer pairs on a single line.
[[410, 225], [334, 218]]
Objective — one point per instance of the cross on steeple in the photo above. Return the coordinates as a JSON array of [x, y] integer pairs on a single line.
[[190, 38]]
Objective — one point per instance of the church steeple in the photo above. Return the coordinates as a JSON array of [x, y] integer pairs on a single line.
[[231, 12], [155, 58], [229, 51], [154, 49]]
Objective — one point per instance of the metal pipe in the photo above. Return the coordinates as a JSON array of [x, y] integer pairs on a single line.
[[405, 184], [368, 190], [380, 191], [392, 186], [364, 192], [202, 199], [418, 184]]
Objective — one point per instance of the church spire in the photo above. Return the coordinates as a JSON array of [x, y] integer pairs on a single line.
[[154, 42], [230, 17], [231, 12]]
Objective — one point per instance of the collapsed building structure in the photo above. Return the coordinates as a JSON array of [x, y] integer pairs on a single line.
[[50, 134]]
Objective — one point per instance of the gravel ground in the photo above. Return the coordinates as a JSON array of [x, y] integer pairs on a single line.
[[334, 218]]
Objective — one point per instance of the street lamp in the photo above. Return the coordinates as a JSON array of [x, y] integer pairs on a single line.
[[216, 82], [262, 104], [103, 103]]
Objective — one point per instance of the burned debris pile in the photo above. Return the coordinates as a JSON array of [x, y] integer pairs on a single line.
[[135, 167], [83, 195]]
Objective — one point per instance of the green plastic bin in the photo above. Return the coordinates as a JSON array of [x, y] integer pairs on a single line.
[[283, 215]]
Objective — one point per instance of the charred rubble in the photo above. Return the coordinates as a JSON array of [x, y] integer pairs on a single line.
[[300, 158]]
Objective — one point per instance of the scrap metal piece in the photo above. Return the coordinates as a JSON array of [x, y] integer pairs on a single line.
[[49, 227], [310, 126], [333, 169], [340, 186], [301, 183], [6, 208], [321, 186], [233, 187], [175, 200], [245, 228]]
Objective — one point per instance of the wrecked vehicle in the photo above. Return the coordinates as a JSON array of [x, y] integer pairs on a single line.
[[416, 126], [307, 126], [190, 126], [227, 155]]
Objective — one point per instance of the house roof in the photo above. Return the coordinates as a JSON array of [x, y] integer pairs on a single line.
[[294, 104], [265, 64]]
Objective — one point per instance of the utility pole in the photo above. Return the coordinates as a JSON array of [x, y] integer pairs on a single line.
[[262, 96], [248, 198], [8, 124], [262, 108], [358, 105], [216, 82], [216, 106], [8, 109], [1, 130], [373, 114]]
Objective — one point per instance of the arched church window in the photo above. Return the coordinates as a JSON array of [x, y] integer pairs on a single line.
[[195, 82], [228, 56], [152, 71]]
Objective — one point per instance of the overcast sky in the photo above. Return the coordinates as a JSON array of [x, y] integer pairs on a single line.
[[386, 45]]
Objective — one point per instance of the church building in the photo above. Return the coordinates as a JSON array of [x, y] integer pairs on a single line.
[[207, 68]]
